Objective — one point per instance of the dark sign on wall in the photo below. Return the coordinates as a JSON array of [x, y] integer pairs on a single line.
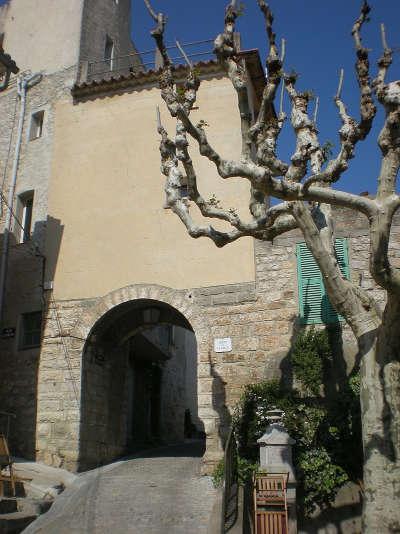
[[7, 332]]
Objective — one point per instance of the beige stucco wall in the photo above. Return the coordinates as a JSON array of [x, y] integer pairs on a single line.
[[107, 194], [39, 21]]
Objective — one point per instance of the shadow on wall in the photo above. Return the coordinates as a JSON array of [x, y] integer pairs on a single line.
[[343, 518], [20, 353], [219, 403], [345, 359]]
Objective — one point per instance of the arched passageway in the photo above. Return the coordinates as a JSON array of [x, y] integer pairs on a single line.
[[139, 381]]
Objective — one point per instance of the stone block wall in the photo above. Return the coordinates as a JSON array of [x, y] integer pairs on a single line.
[[261, 318], [59, 386], [24, 281]]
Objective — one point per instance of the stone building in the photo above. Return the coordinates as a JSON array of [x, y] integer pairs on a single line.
[[118, 329]]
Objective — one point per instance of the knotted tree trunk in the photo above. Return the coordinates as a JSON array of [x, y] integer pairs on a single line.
[[380, 412]]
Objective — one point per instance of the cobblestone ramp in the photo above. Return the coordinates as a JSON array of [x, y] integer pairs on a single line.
[[159, 493]]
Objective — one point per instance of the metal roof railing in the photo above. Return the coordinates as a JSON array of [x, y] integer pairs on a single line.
[[106, 68]]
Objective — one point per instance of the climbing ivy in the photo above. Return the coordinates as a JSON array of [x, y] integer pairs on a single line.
[[328, 450], [245, 470]]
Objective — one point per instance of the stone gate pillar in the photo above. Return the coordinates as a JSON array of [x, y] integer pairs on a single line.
[[276, 457]]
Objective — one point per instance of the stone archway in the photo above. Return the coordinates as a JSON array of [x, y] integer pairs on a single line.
[[139, 381], [59, 438]]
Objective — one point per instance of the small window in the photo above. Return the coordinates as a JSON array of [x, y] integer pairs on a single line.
[[31, 329], [36, 125], [24, 214], [314, 305], [109, 52]]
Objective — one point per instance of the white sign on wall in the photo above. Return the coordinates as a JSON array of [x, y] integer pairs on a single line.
[[222, 344]]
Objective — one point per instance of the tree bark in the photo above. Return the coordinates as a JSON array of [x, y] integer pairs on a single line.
[[380, 410]]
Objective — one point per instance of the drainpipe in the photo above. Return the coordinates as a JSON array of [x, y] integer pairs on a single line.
[[23, 84]]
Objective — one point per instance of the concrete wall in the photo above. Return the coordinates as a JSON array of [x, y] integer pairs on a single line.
[[50, 30], [102, 19], [107, 193]]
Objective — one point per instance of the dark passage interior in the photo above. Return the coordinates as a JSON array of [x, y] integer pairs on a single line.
[[139, 382]]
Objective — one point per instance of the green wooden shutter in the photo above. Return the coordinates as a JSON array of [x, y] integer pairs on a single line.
[[314, 305]]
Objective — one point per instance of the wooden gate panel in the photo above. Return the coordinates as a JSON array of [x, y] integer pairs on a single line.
[[270, 504]]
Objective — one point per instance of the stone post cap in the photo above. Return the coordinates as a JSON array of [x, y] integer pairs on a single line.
[[276, 434]]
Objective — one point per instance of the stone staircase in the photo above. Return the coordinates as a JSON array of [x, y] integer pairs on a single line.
[[33, 496], [16, 513]]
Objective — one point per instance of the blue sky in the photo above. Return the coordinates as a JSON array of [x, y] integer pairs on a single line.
[[319, 43]]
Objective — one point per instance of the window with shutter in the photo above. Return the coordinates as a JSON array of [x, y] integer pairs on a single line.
[[314, 305]]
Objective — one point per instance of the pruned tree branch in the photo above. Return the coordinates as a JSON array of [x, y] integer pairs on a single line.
[[382, 270], [265, 132], [384, 61], [175, 179], [307, 145], [367, 107], [351, 132], [226, 51], [158, 32], [268, 175]]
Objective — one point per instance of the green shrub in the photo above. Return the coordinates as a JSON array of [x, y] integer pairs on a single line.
[[320, 478], [328, 450], [309, 353], [245, 471], [217, 476]]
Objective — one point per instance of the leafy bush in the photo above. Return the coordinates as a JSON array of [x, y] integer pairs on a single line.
[[328, 449], [217, 476], [245, 471], [321, 478], [308, 356]]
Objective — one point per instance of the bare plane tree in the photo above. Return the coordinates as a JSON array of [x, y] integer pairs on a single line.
[[304, 184]]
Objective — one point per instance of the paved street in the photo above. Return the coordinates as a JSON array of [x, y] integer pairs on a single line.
[[159, 493]]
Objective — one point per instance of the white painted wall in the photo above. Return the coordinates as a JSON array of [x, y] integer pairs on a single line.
[[42, 35]]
